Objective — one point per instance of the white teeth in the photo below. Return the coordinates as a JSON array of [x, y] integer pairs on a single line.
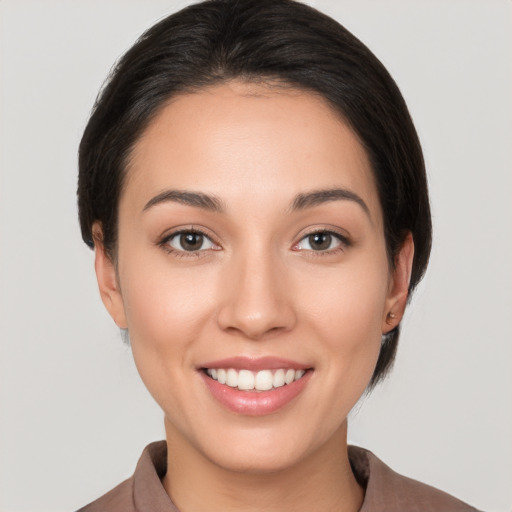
[[278, 380], [246, 380], [221, 376], [263, 380], [232, 378]]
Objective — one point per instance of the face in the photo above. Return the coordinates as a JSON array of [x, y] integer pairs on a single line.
[[252, 273]]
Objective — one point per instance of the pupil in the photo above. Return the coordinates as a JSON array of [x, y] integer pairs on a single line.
[[191, 241], [320, 241]]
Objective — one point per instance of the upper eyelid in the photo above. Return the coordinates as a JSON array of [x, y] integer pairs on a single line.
[[326, 231], [341, 239], [169, 234], [164, 242], [344, 239], [338, 232]]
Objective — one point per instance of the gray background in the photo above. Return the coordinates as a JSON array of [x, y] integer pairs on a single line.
[[74, 415]]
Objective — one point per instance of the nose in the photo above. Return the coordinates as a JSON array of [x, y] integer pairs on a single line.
[[256, 297]]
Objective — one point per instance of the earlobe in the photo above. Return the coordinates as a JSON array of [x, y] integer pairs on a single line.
[[399, 286], [107, 280]]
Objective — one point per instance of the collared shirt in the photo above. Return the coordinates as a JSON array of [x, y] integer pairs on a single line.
[[386, 491]]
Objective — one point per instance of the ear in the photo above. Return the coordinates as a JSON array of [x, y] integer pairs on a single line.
[[399, 286], [107, 279]]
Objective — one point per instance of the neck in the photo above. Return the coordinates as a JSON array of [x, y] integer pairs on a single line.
[[321, 481]]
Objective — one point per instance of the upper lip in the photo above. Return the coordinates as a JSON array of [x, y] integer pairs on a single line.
[[255, 363]]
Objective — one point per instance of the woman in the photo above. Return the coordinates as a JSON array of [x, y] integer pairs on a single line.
[[254, 190]]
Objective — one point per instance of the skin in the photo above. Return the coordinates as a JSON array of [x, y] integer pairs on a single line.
[[257, 290]]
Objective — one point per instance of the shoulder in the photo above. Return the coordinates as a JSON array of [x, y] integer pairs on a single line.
[[119, 499], [388, 491], [143, 491]]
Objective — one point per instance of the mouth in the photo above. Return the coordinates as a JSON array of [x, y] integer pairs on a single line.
[[255, 386], [262, 380]]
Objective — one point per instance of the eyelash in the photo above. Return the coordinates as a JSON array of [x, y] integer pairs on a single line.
[[165, 243], [344, 242]]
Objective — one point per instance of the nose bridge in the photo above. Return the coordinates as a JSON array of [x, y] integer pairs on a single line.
[[255, 299]]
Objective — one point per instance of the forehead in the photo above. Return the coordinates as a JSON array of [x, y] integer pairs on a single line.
[[251, 142]]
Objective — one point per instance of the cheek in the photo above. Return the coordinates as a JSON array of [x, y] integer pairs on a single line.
[[346, 313], [347, 300], [163, 304], [166, 312]]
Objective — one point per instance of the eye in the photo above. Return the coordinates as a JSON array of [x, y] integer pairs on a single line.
[[190, 241], [320, 241]]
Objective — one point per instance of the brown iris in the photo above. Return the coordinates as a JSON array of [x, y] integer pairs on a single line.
[[320, 241], [191, 241]]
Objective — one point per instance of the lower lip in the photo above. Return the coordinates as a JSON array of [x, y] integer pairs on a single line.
[[255, 403]]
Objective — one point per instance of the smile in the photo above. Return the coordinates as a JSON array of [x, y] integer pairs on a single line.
[[247, 380]]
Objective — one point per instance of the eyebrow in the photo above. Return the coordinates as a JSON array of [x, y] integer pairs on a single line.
[[318, 197], [215, 204], [197, 199]]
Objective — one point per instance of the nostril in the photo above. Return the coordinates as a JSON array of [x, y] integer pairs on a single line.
[[255, 301], [241, 319]]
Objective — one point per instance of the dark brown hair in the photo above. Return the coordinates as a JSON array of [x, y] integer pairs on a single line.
[[259, 40]]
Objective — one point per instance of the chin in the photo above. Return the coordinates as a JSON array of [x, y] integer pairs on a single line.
[[272, 461], [265, 450]]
